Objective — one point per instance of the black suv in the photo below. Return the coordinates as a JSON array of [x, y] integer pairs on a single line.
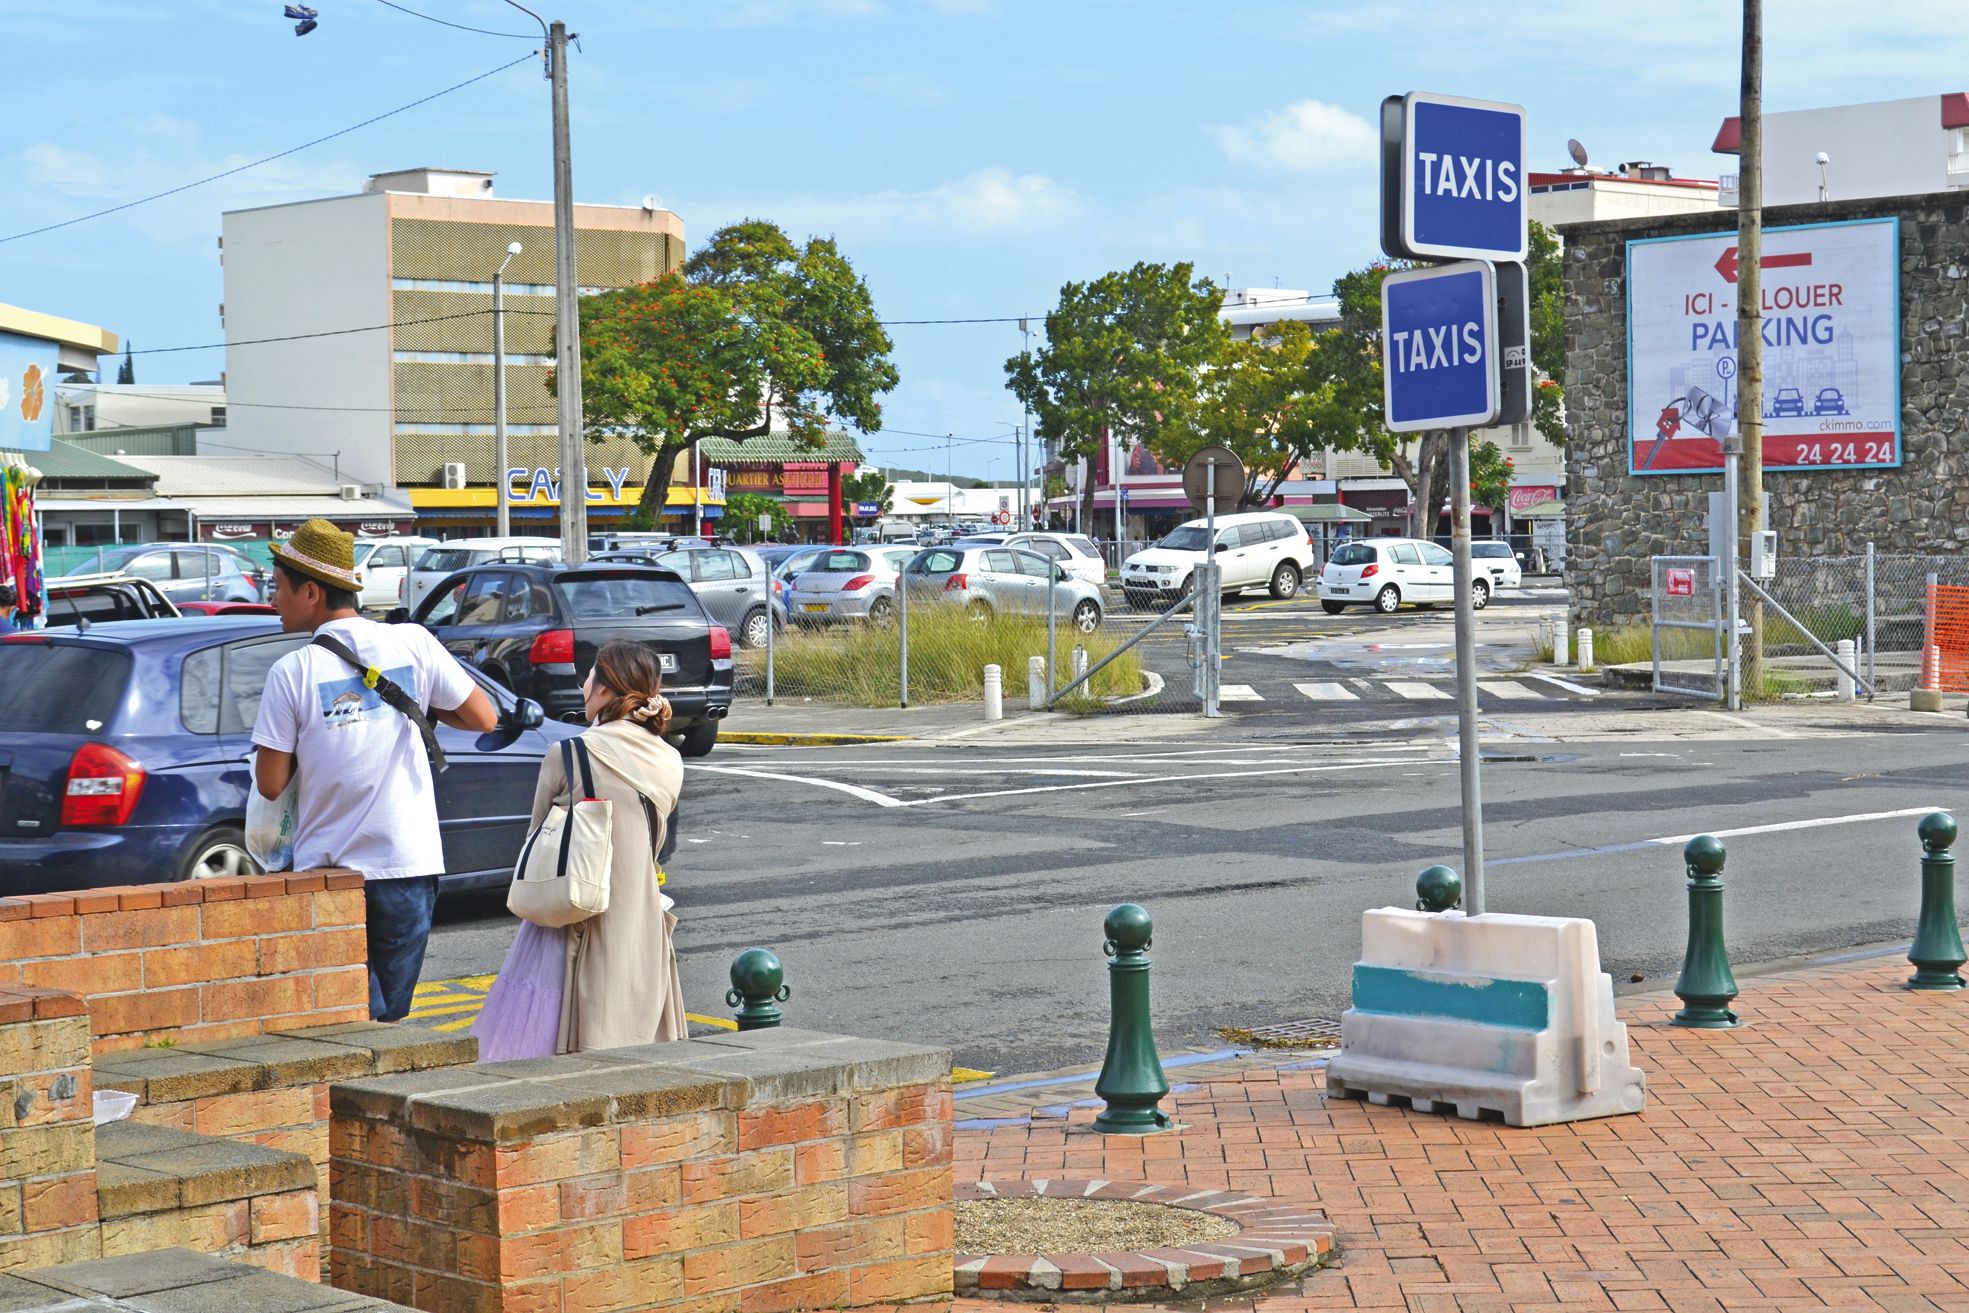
[[536, 628]]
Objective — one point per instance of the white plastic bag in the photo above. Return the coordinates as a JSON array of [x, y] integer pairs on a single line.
[[270, 827]]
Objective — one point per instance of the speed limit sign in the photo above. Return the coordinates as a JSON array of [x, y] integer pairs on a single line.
[[1002, 517]]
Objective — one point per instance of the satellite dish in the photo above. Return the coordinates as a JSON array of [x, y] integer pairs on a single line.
[[652, 204], [1577, 151]]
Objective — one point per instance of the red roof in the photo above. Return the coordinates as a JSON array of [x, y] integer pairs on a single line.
[[1729, 137], [1565, 179], [1955, 109]]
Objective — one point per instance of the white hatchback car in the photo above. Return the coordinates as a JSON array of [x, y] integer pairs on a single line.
[[1386, 573], [1077, 553], [383, 563], [1497, 560], [1255, 549]]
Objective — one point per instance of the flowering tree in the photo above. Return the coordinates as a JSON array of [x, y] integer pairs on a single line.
[[753, 335]]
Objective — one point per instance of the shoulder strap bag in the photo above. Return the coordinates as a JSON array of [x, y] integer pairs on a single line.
[[392, 694], [562, 875]]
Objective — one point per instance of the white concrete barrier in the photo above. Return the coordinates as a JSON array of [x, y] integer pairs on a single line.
[[1499, 1014], [994, 693], [1036, 682]]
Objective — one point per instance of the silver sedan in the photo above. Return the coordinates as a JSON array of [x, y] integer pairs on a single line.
[[986, 580], [847, 583]]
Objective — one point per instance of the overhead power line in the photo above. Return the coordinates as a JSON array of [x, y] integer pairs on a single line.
[[445, 22], [292, 150]]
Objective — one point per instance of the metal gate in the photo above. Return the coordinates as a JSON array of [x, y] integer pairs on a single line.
[[1687, 636], [1204, 602]]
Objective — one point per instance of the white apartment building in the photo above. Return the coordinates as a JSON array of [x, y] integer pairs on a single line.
[[384, 297], [1883, 148], [91, 407]]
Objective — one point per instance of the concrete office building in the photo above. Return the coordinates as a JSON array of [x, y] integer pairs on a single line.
[[1883, 148], [410, 406]]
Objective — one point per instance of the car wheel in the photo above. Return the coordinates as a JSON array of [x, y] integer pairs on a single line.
[[752, 630], [699, 739], [216, 854], [1087, 616], [979, 611], [498, 675], [1388, 599], [1479, 594], [1285, 581], [1189, 586], [1332, 608], [882, 611]]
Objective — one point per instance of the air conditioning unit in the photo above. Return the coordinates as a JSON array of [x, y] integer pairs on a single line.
[[454, 474], [351, 492]]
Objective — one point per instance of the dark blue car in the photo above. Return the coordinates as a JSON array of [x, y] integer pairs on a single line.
[[126, 754]]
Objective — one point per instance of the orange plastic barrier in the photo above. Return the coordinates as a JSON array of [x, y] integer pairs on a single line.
[[1948, 632]]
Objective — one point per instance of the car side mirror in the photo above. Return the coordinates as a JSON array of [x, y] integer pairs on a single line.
[[528, 714], [396, 615]]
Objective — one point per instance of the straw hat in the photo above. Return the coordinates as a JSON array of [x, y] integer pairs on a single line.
[[323, 553]]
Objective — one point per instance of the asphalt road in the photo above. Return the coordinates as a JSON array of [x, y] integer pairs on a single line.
[[954, 893]]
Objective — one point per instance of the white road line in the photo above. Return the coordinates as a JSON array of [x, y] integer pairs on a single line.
[[1507, 688], [1154, 779], [1414, 690], [854, 790], [1327, 692], [1816, 822], [1238, 693], [1566, 684]]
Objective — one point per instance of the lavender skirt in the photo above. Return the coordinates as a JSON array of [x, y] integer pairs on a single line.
[[522, 1013]]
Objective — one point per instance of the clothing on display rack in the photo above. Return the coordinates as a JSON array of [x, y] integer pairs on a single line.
[[23, 596]]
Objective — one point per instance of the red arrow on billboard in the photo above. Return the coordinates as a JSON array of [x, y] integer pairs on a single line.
[[1726, 264]]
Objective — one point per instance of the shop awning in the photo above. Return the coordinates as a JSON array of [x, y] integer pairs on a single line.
[[1545, 510], [1328, 513]]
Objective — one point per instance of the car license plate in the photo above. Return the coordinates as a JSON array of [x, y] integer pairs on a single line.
[[814, 606], [667, 662]]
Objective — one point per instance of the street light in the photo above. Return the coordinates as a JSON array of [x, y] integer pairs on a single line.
[[499, 391]]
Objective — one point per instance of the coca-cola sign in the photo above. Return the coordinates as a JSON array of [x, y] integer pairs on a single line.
[[1523, 499]]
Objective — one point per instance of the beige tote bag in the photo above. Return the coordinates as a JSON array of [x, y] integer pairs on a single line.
[[563, 871]]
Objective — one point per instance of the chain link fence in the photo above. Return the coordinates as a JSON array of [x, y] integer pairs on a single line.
[[1876, 600], [918, 652]]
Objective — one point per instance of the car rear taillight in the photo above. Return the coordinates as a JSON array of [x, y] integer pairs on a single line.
[[955, 582], [859, 581], [555, 647], [721, 643], [103, 787], [1368, 572]]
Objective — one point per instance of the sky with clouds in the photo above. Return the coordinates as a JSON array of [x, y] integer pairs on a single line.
[[970, 155]]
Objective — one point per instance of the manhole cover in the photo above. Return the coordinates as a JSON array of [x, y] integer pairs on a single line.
[[1082, 1226], [1312, 1033]]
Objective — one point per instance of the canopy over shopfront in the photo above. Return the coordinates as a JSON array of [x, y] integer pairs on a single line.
[[807, 480]]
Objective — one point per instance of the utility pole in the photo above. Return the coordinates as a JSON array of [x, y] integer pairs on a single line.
[[567, 321], [504, 485], [1750, 325], [1025, 434]]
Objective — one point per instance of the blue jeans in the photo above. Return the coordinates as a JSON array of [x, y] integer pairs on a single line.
[[399, 927]]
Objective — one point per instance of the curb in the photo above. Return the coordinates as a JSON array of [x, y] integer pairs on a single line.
[[796, 739]]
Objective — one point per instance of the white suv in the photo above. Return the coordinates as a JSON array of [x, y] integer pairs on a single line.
[[1385, 573], [1256, 549], [442, 559]]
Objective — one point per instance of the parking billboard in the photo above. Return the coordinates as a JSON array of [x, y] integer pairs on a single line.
[[1832, 348]]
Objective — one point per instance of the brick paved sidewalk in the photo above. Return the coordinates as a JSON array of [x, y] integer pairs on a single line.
[[1814, 1159]]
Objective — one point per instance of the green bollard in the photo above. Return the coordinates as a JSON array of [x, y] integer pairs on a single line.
[[1706, 984], [1937, 950], [757, 978], [1438, 889], [1131, 1080]]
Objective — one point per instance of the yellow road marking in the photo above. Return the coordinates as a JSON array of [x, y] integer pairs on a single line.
[[474, 1007], [459, 1024], [722, 1023], [960, 1075]]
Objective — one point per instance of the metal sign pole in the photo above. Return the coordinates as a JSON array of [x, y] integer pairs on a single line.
[[1469, 752], [1211, 637], [902, 637]]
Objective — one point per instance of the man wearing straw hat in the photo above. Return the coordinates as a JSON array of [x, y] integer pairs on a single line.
[[344, 719]]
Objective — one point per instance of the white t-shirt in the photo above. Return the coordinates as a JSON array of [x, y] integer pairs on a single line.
[[364, 797]]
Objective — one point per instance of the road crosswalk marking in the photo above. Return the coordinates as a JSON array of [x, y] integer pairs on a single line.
[[1328, 691], [1511, 689], [1238, 693], [1415, 690]]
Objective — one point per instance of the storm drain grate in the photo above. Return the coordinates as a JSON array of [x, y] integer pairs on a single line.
[[1312, 1033]]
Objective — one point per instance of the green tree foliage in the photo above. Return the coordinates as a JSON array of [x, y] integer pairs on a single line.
[[127, 371], [754, 333], [742, 512], [867, 486], [1125, 355]]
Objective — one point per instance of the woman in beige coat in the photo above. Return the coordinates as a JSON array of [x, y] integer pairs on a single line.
[[618, 982]]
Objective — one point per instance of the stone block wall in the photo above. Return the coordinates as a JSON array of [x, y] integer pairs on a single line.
[[200, 960], [47, 1130], [767, 1172], [1616, 521], [165, 1189]]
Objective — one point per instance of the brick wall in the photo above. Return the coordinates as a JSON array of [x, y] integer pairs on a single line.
[[200, 960], [771, 1172], [47, 1131]]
